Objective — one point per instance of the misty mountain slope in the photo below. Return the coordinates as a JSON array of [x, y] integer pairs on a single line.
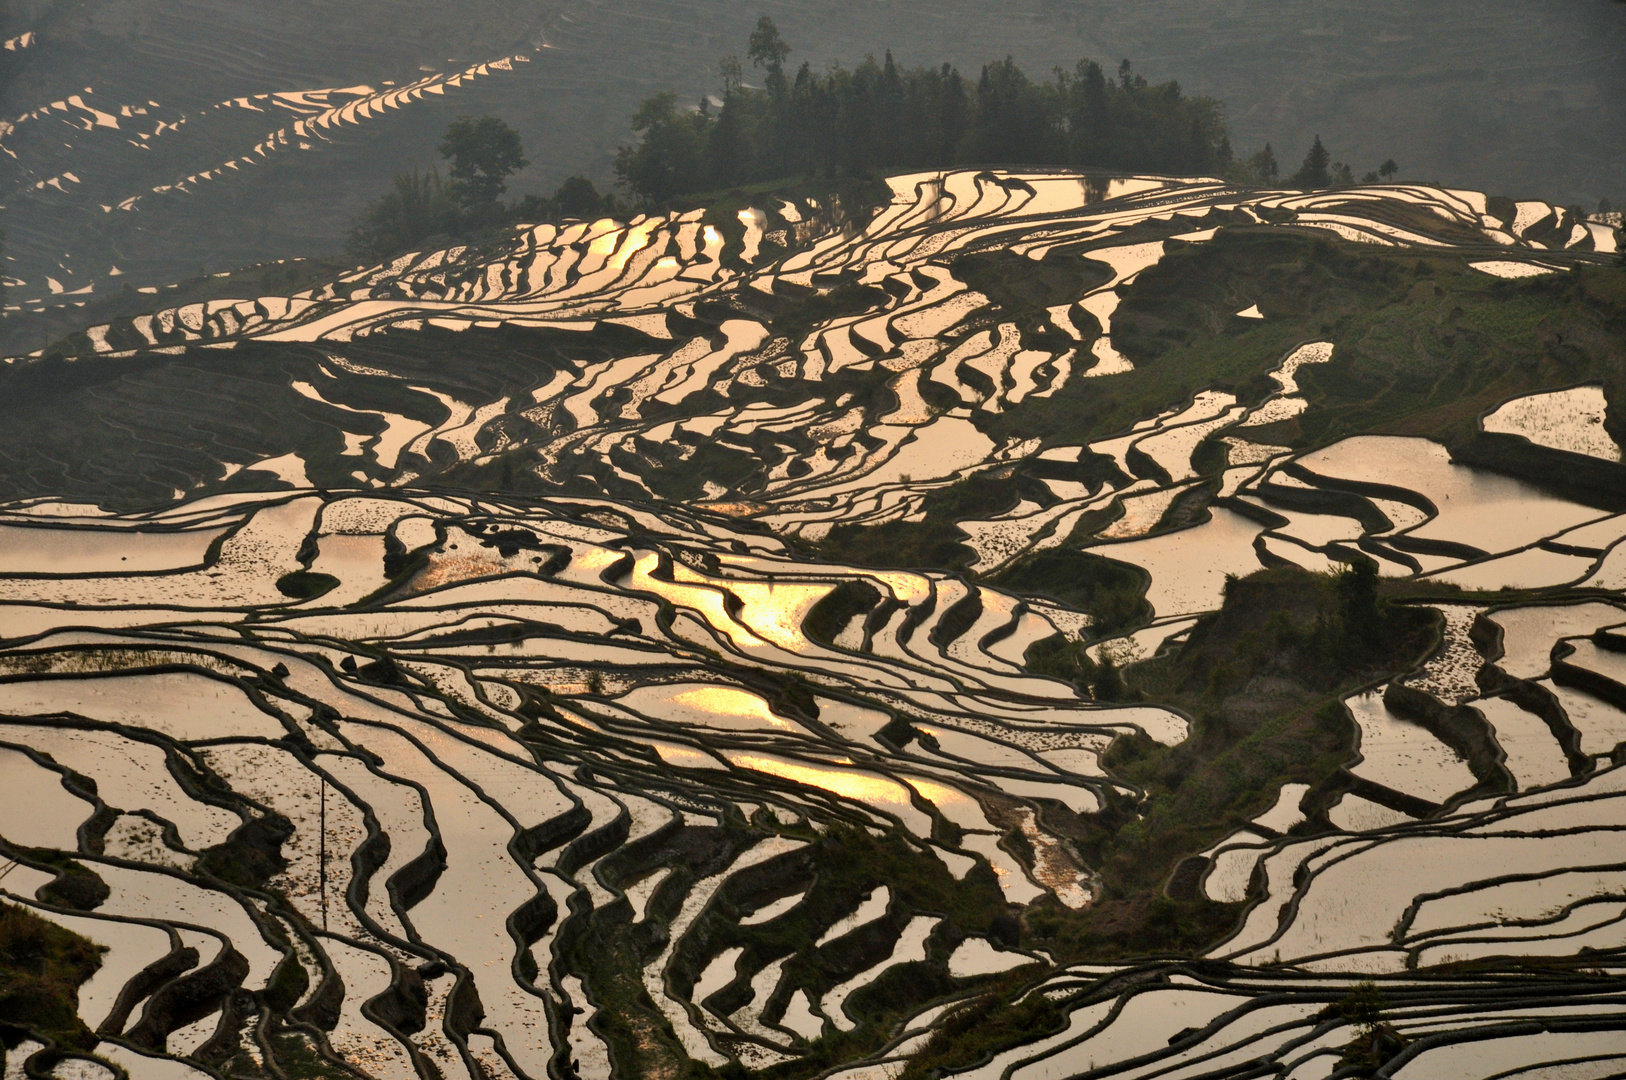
[[1519, 98]]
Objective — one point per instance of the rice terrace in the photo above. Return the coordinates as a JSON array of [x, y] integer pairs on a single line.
[[897, 576]]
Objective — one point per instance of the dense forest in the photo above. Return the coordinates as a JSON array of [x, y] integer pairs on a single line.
[[879, 117], [875, 119]]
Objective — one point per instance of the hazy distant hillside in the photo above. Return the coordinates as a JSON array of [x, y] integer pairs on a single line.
[[1516, 96]]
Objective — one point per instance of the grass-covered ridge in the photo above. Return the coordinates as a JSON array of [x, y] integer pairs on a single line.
[[42, 967], [1425, 343], [1424, 346], [1261, 680]]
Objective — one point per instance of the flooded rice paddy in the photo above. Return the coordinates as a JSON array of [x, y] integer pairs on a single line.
[[492, 785]]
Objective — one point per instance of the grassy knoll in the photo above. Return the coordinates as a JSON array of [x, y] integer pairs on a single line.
[[41, 969], [1261, 680], [1424, 346], [1112, 592], [934, 542]]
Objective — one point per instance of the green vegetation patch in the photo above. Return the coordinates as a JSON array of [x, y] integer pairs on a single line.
[[1424, 346], [306, 584], [1261, 680], [1114, 593], [42, 967], [934, 542], [983, 1028]]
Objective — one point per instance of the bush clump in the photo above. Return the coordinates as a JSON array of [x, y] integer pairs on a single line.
[[306, 584]]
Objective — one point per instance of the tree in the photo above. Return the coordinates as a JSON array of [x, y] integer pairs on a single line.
[[767, 50], [1088, 116], [1342, 175], [1264, 163], [1259, 170], [1109, 684], [421, 205], [484, 153], [669, 158], [724, 149], [1010, 118], [1388, 169], [881, 117], [729, 74], [1376, 1041], [578, 198], [1357, 588], [1314, 172]]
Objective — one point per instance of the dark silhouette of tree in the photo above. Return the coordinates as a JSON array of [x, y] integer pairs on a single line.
[[724, 147], [669, 158], [578, 198], [484, 153], [1258, 170], [1358, 608], [730, 74], [1265, 163], [424, 206], [1089, 119], [881, 117], [420, 205], [767, 50], [1388, 169], [1109, 683], [1010, 118], [1314, 172]]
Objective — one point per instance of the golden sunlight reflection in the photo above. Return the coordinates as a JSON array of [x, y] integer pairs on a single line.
[[707, 602], [593, 560], [773, 610], [952, 803], [605, 245], [727, 701], [637, 240], [683, 757], [883, 794]]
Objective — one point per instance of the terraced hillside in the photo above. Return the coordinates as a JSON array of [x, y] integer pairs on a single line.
[[148, 142], [1055, 626]]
